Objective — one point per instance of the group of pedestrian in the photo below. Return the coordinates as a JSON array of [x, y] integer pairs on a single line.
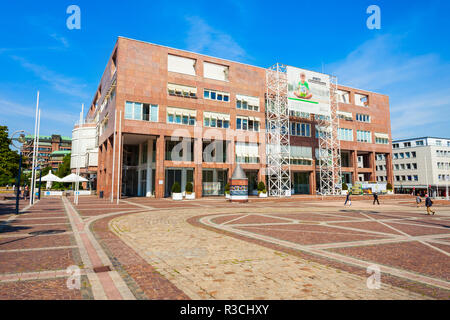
[[428, 201], [348, 199], [428, 204]]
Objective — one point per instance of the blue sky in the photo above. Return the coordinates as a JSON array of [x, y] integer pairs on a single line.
[[408, 59]]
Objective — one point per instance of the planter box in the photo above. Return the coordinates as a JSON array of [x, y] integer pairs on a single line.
[[227, 196], [190, 196], [292, 191], [344, 192], [177, 196], [263, 195]]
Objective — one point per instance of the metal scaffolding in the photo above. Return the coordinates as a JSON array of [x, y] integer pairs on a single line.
[[329, 146], [277, 132]]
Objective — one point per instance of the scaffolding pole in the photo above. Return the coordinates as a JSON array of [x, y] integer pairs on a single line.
[[329, 146], [277, 132]]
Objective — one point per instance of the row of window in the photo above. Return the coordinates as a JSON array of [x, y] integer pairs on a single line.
[[345, 134], [443, 165], [405, 166], [141, 111], [300, 129], [405, 155], [362, 118], [363, 136], [444, 177], [442, 153], [216, 95], [407, 178], [247, 124], [185, 119]]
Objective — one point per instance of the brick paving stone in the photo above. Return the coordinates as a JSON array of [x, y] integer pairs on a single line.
[[413, 256], [212, 265], [367, 225], [28, 261], [418, 230], [29, 242], [48, 289]]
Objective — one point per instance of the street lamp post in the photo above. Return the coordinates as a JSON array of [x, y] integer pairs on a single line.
[[21, 139]]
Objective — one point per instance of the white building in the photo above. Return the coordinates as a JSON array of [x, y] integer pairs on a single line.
[[85, 151], [420, 165]]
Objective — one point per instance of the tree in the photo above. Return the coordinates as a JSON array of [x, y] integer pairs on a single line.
[[64, 167], [9, 159]]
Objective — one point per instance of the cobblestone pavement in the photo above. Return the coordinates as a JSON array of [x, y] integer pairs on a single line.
[[252, 262], [213, 249]]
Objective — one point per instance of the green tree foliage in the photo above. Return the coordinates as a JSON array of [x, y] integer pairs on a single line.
[[9, 159], [64, 167], [189, 187], [176, 188], [261, 186]]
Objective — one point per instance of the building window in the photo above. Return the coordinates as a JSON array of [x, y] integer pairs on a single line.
[[181, 116], [300, 129], [141, 111], [181, 91], [247, 152], [362, 118], [344, 96], [363, 136], [419, 143], [381, 140], [395, 146], [216, 95], [413, 154], [181, 65], [216, 120], [247, 103], [299, 114], [361, 100], [215, 71], [345, 134], [247, 123]]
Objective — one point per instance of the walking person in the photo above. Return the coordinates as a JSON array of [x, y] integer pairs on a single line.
[[375, 198], [348, 199], [418, 200], [429, 204], [26, 193]]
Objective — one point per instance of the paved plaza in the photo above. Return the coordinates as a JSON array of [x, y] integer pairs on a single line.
[[300, 248]]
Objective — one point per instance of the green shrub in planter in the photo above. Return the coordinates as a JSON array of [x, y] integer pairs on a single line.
[[189, 188], [389, 187], [176, 188], [261, 187], [227, 188], [344, 186]]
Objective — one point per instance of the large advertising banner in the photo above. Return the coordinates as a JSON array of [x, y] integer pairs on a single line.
[[308, 91]]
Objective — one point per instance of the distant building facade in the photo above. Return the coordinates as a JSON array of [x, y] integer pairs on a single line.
[[420, 165], [51, 149]]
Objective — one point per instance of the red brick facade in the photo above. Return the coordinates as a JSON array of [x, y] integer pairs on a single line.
[[140, 73]]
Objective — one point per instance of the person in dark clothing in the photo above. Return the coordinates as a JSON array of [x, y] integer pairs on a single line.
[[348, 199], [429, 204], [375, 198]]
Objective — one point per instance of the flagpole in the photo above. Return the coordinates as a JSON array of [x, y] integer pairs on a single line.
[[37, 149], [34, 148]]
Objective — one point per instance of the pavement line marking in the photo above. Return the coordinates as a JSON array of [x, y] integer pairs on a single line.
[[409, 236], [38, 249], [40, 275], [137, 204], [330, 255], [113, 284]]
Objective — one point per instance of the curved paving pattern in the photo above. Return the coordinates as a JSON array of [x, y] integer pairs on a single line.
[[210, 265]]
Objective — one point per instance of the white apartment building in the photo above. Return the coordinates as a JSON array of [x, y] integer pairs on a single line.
[[420, 165]]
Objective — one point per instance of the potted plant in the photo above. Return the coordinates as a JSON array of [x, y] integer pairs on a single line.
[[262, 192], [176, 192], [389, 188], [227, 191], [344, 188], [190, 194]]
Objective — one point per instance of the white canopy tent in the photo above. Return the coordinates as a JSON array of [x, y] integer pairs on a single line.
[[73, 178], [50, 178]]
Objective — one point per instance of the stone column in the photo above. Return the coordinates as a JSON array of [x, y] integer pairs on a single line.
[[372, 164], [198, 172], [312, 182], [159, 167], [389, 169], [354, 154], [149, 167]]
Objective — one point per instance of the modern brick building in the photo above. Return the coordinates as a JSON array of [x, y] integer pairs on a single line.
[[51, 149], [152, 97]]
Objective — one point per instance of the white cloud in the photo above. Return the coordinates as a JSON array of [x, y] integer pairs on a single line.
[[60, 39], [416, 85], [203, 38], [59, 82]]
